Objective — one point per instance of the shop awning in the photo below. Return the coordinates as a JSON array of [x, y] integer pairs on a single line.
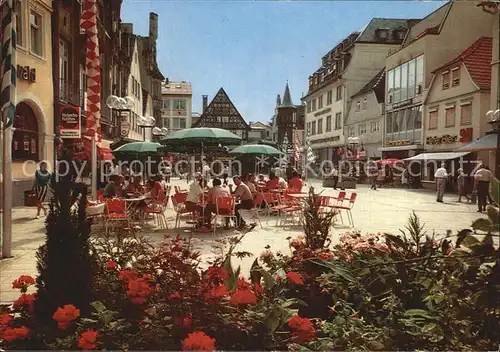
[[485, 143], [437, 156]]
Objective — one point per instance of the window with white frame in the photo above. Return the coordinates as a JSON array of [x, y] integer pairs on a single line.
[[328, 127], [350, 132], [63, 69], [179, 104], [36, 35], [450, 116], [329, 97], [338, 117], [308, 128], [365, 103], [338, 95], [320, 126], [320, 101], [375, 126], [433, 118], [455, 76], [313, 128], [446, 79], [358, 105], [362, 128], [466, 113], [19, 11]]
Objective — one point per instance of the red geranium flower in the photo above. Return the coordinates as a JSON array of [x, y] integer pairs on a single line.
[[111, 264], [12, 334], [217, 292], [242, 284], [258, 289], [303, 330], [198, 341], [66, 315], [216, 272], [138, 290], [295, 278], [23, 282], [87, 340], [26, 301], [5, 319], [243, 297], [127, 274]]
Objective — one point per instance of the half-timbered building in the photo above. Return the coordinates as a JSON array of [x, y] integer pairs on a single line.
[[221, 113]]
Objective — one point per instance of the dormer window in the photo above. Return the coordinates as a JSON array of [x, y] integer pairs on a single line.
[[446, 80], [455, 76], [383, 34]]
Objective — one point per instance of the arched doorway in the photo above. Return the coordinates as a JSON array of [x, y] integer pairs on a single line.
[[25, 140]]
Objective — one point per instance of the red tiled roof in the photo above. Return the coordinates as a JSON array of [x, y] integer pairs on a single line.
[[477, 60]]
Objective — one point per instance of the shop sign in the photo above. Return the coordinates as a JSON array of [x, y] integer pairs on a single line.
[[26, 73], [124, 128], [70, 122], [446, 139], [398, 143], [466, 135]]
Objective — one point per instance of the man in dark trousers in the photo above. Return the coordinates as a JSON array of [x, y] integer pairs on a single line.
[[289, 172], [482, 178]]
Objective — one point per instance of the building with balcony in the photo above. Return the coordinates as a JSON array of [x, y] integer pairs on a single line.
[[366, 115], [33, 136], [177, 109], [429, 44], [344, 70]]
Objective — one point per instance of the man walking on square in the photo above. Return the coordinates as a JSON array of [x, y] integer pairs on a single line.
[[441, 175], [482, 178]]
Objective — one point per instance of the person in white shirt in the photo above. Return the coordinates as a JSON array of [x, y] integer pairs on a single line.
[[482, 177], [441, 175], [225, 173], [193, 198]]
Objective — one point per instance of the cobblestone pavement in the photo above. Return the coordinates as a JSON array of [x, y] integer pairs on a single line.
[[384, 210]]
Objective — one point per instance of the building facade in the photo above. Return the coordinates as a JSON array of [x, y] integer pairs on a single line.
[[151, 77], [33, 137], [177, 108], [458, 100], [344, 71], [363, 124], [222, 113], [289, 119], [429, 44], [259, 131]]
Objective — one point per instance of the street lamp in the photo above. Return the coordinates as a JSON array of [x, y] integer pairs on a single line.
[[119, 104], [494, 120], [146, 122]]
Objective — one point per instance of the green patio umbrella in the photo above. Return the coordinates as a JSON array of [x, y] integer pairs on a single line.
[[201, 135], [135, 148], [256, 149]]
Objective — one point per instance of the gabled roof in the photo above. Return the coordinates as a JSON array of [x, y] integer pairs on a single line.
[[221, 106], [477, 60], [377, 84], [369, 32], [431, 24]]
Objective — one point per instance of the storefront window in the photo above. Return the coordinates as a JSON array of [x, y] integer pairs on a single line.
[[389, 123], [25, 137]]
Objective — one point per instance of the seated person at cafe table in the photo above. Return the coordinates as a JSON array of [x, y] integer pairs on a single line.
[[215, 192], [136, 186], [242, 192], [193, 198], [249, 181], [113, 188], [276, 182], [295, 182]]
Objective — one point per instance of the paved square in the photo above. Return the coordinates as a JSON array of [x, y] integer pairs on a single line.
[[384, 210]]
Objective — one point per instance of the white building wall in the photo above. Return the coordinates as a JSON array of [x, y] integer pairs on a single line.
[[134, 90]]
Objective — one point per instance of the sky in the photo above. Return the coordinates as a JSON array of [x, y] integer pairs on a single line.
[[252, 48]]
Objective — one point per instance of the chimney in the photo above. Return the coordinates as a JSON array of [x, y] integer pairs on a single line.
[[205, 103], [153, 26]]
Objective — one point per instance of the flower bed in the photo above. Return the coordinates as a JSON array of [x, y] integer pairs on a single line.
[[369, 292]]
